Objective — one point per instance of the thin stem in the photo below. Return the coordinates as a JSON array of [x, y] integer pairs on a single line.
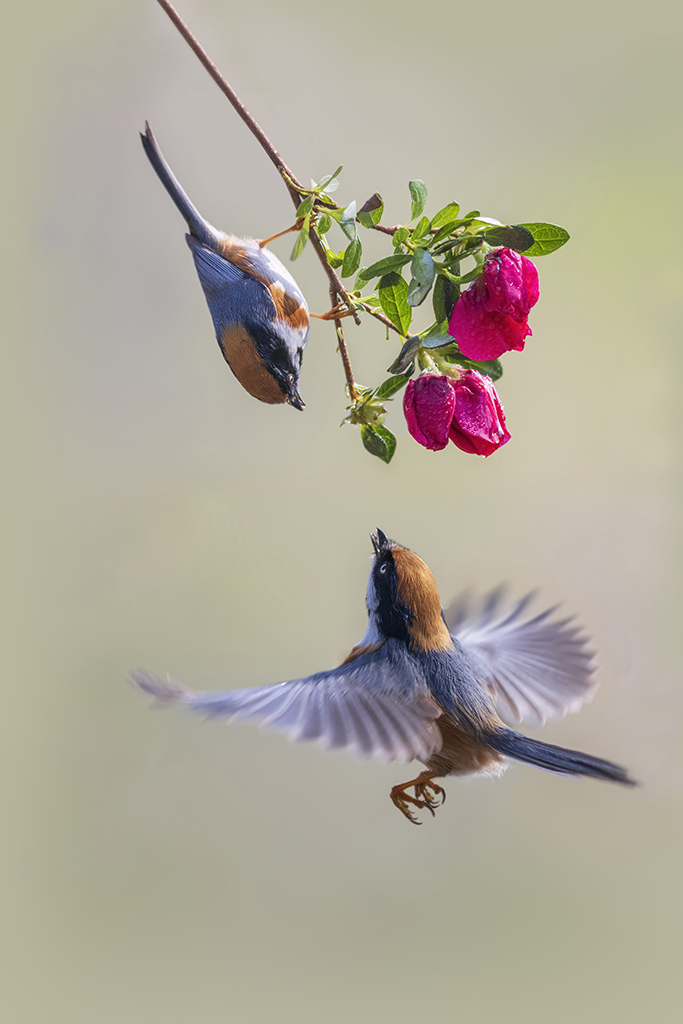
[[294, 186], [343, 350], [226, 88], [333, 276], [382, 319]]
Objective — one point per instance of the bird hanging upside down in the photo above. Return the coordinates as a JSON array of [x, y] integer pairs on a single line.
[[426, 687], [259, 313]]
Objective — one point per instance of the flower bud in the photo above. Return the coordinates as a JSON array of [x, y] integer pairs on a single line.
[[478, 424], [428, 404], [490, 318], [466, 411]]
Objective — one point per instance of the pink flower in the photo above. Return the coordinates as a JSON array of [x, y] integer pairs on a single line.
[[429, 404], [466, 411], [491, 316], [478, 424]]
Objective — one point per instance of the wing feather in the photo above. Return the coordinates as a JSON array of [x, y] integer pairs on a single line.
[[534, 669], [376, 706]]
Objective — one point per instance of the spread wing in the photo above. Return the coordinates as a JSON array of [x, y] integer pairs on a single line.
[[535, 669], [376, 706]]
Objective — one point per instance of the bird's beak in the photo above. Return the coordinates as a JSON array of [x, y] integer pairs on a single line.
[[295, 399], [380, 542]]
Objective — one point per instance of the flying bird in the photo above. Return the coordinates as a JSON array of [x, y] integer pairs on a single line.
[[423, 686]]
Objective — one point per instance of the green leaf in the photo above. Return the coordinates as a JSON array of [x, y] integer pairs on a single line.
[[417, 292], [323, 224], [329, 182], [382, 266], [422, 267], [406, 356], [446, 215], [418, 194], [333, 258], [514, 236], [437, 336], [354, 251], [301, 239], [378, 441], [393, 291], [400, 236], [371, 212], [420, 230], [445, 296], [391, 386], [347, 221], [547, 238], [305, 206]]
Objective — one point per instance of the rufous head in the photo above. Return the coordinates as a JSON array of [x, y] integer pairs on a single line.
[[404, 597]]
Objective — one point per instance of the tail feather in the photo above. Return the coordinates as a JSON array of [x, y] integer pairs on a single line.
[[199, 227], [556, 759]]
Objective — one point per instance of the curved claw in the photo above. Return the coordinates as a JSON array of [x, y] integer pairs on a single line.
[[427, 795]]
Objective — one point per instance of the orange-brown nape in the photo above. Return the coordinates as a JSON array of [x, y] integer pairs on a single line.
[[288, 307], [243, 358], [417, 590]]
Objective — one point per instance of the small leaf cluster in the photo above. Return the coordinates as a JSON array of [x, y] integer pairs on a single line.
[[427, 259]]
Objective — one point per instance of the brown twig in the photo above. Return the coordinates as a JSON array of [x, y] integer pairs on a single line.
[[385, 230], [382, 319], [343, 350], [294, 187]]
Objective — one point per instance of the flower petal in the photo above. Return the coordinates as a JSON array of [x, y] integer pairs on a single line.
[[483, 335], [428, 404], [478, 425]]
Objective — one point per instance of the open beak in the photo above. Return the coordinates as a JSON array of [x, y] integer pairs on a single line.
[[380, 542]]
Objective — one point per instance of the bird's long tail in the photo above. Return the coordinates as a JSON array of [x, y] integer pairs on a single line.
[[200, 228], [556, 759]]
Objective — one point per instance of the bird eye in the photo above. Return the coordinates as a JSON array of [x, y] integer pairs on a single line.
[[383, 568]]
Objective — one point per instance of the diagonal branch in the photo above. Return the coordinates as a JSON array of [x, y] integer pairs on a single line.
[[293, 185]]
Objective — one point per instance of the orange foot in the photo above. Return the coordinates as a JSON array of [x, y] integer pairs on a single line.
[[338, 313], [427, 794]]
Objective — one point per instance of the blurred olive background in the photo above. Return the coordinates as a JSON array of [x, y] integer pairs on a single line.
[[163, 869]]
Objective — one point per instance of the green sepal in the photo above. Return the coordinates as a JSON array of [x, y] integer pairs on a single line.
[[379, 442], [492, 368]]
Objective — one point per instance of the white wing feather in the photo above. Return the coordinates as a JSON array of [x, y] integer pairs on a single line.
[[534, 669], [376, 706]]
